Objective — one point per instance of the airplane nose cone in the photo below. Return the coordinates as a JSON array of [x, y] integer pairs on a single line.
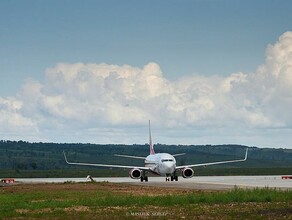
[[169, 167]]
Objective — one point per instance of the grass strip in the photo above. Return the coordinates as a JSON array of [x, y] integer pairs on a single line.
[[40, 204]]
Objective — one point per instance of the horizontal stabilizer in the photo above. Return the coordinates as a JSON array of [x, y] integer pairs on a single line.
[[129, 156], [176, 155]]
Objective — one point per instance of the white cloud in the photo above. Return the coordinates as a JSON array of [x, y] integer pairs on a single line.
[[81, 97], [11, 117]]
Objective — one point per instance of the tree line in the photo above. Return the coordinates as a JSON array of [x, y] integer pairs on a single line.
[[21, 155]]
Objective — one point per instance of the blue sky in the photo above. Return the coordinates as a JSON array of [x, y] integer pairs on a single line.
[[184, 38]]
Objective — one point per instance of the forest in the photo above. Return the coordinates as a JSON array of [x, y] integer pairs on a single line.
[[24, 159]]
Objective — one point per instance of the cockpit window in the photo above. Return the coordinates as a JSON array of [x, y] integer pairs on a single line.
[[164, 160]]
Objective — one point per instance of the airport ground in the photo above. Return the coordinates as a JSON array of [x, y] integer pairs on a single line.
[[133, 200], [196, 182]]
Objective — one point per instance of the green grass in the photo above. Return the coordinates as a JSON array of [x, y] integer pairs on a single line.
[[50, 199], [61, 204]]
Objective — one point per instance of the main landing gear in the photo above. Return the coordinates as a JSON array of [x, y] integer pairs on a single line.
[[144, 177], [172, 178]]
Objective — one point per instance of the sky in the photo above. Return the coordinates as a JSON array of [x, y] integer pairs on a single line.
[[203, 72]]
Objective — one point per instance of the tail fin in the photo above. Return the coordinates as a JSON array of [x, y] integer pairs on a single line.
[[150, 141]]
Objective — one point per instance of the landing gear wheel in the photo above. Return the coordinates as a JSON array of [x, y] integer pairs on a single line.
[[172, 178], [144, 178]]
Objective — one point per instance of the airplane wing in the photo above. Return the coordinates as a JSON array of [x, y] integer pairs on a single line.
[[214, 163], [105, 165]]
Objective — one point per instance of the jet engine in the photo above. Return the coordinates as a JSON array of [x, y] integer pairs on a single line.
[[187, 172], [135, 173]]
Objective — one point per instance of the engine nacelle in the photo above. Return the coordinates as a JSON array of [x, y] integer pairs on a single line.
[[187, 173], [135, 173]]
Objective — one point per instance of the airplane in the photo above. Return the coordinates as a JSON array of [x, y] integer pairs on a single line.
[[162, 164]]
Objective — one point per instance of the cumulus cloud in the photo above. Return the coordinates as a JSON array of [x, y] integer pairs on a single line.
[[12, 118], [94, 96]]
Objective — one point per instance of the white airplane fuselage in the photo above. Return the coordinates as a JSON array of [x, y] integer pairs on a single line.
[[163, 164]]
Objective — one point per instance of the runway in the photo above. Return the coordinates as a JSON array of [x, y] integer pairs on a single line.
[[198, 182]]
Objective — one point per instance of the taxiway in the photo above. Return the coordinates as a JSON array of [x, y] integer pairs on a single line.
[[199, 182]]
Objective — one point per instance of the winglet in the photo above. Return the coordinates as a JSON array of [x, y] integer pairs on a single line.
[[246, 154], [150, 141], [65, 157]]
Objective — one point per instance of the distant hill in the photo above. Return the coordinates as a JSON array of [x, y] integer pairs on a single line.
[[20, 158]]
